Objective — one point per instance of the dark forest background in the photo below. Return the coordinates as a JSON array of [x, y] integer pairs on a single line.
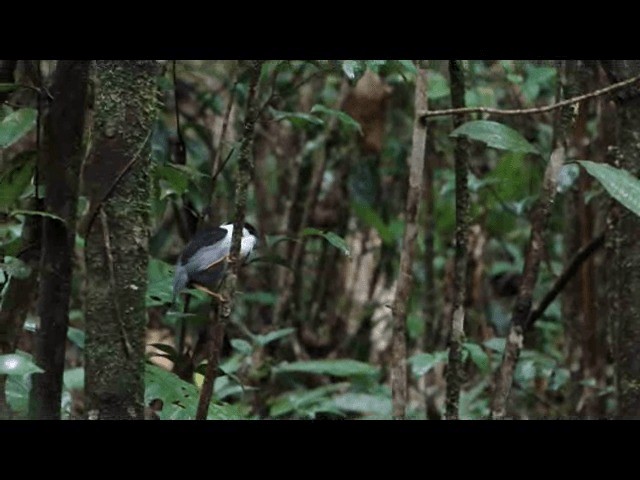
[[414, 261]]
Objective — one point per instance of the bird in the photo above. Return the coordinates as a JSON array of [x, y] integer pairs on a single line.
[[202, 262]]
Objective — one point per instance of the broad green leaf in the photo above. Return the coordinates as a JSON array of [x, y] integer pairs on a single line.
[[8, 87], [180, 399], [336, 368], [242, 346], [421, 363], [297, 119], [178, 180], [372, 219], [496, 344], [160, 286], [265, 339], [17, 393], [495, 135], [170, 352], [478, 356], [263, 298], [620, 184], [302, 402], [16, 125], [76, 336], [409, 65], [331, 237], [437, 85], [349, 68], [74, 378], [567, 176], [344, 118], [15, 267], [15, 180], [363, 403], [17, 364]]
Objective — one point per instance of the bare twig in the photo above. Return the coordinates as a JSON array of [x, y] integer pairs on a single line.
[[216, 167], [462, 226], [405, 277], [530, 111], [579, 258], [222, 310]]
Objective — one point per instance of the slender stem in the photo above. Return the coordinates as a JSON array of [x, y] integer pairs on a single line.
[[454, 374], [536, 110]]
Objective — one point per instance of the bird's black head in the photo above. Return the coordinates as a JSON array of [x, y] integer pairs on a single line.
[[251, 229]]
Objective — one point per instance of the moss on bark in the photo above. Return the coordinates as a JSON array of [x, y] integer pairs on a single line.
[[117, 182]]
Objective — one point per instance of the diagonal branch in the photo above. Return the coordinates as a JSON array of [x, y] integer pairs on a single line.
[[576, 262]]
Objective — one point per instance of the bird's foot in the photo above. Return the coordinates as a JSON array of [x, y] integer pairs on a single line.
[[215, 295]]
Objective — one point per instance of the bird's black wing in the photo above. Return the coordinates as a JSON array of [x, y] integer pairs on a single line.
[[203, 238]]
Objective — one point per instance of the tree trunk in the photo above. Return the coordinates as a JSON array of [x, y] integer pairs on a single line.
[[64, 130], [627, 248], [405, 276], [116, 180]]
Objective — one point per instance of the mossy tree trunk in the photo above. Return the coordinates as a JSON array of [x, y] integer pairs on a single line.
[[116, 181], [626, 248]]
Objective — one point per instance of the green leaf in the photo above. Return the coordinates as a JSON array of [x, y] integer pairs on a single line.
[[15, 267], [620, 184], [496, 344], [8, 87], [567, 176], [408, 65], [371, 218], [16, 179], [74, 378], [171, 353], [242, 346], [17, 393], [336, 368], [263, 340], [478, 356], [331, 237], [17, 364], [16, 125], [437, 85], [349, 68], [345, 119], [303, 402], [263, 298], [180, 399], [76, 336], [421, 363], [363, 403], [177, 179], [297, 119], [495, 135]]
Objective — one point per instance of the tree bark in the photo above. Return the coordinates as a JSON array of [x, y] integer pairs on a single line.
[[462, 226], [626, 251], [116, 180], [405, 276], [64, 129]]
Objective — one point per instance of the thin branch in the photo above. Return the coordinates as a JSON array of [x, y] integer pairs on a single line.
[[405, 276], [462, 232], [530, 111], [216, 167], [579, 258]]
